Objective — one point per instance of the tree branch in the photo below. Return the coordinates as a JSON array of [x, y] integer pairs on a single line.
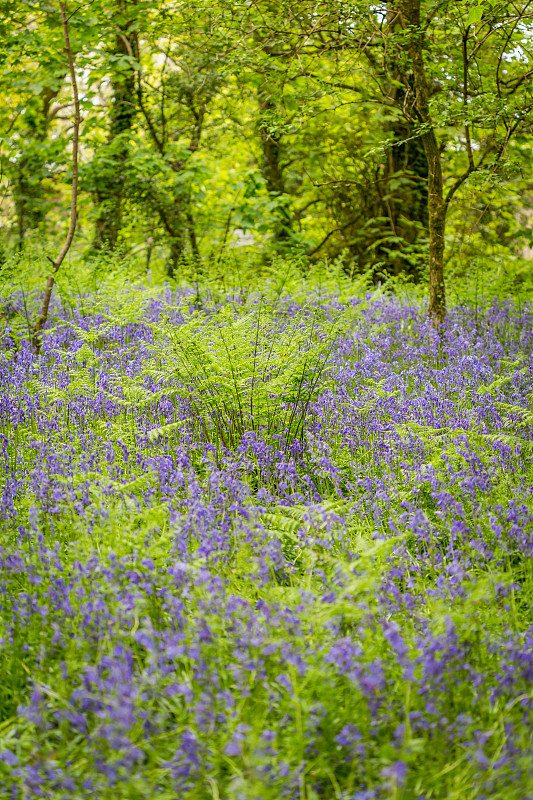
[[43, 317], [325, 239], [471, 164]]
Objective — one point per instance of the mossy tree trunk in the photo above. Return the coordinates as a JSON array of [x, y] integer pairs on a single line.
[[437, 206], [110, 179], [406, 168], [272, 167]]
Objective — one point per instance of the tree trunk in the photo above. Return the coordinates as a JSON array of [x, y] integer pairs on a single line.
[[29, 194], [110, 179], [437, 207], [405, 205], [20, 204], [196, 257], [176, 256], [272, 168], [437, 224]]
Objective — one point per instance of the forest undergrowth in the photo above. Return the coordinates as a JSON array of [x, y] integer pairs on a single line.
[[266, 544]]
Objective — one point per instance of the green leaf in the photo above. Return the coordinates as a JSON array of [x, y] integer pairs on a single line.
[[474, 15]]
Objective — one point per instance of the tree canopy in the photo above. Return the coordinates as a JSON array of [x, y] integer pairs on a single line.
[[395, 137]]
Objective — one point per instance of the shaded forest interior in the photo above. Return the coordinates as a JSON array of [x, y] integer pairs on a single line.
[[395, 138]]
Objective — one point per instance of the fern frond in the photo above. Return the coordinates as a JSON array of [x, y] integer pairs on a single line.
[[526, 416], [499, 382], [164, 430]]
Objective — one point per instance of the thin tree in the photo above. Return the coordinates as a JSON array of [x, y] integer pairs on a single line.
[[43, 316]]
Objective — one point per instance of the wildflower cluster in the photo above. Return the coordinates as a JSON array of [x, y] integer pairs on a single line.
[[263, 552]]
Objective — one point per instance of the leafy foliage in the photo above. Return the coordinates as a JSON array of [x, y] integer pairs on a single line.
[[213, 133]]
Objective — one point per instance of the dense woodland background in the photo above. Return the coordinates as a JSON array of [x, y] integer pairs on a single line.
[[222, 133], [266, 400]]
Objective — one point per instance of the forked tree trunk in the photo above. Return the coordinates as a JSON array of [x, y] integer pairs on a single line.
[[437, 206]]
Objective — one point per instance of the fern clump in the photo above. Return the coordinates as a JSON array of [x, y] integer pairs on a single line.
[[254, 371]]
